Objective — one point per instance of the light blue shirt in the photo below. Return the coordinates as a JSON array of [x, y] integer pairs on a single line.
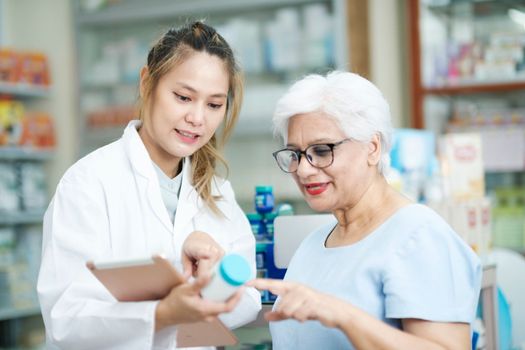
[[413, 266], [169, 190]]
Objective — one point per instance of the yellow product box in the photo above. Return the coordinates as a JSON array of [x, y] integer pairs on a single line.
[[11, 115]]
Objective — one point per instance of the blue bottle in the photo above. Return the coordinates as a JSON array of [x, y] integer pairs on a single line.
[[264, 200]]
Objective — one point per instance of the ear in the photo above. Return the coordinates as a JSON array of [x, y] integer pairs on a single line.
[[144, 75], [374, 150]]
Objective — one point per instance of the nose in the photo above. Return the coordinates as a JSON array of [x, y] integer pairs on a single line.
[[304, 168], [195, 114]]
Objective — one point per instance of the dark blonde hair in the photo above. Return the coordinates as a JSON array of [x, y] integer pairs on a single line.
[[174, 47]]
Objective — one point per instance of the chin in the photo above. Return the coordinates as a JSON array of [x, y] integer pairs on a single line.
[[318, 205], [182, 152]]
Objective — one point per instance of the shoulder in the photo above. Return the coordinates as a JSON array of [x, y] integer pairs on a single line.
[[432, 273], [417, 222], [222, 191], [222, 187], [102, 162], [423, 239], [416, 215]]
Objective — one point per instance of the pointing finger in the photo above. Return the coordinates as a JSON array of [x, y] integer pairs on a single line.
[[277, 287]]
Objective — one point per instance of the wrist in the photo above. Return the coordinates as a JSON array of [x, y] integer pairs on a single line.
[[160, 316], [345, 317]]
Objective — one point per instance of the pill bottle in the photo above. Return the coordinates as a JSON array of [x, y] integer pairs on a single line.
[[257, 225], [231, 272], [264, 200], [268, 224], [260, 255]]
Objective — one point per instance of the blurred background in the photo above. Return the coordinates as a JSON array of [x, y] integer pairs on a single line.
[[452, 71]]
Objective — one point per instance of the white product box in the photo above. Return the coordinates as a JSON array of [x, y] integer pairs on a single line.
[[462, 166]]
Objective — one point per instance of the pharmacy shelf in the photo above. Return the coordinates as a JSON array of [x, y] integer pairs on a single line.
[[23, 90], [469, 88], [162, 9], [10, 313], [24, 153], [23, 217]]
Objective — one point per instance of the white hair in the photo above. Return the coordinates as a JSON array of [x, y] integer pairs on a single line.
[[353, 102]]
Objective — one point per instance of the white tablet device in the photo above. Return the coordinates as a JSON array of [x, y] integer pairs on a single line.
[[137, 280], [152, 279]]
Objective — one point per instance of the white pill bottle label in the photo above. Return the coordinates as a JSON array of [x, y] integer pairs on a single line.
[[231, 272]]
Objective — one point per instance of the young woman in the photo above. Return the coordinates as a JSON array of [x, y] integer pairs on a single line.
[[153, 191]]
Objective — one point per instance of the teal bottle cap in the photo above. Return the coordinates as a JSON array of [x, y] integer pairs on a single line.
[[263, 189], [270, 216], [254, 216], [260, 247], [234, 269]]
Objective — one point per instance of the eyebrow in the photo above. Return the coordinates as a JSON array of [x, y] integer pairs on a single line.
[[315, 142], [186, 86]]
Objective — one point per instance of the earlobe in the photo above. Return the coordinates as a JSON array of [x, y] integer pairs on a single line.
[[374, 150], [144, 74]]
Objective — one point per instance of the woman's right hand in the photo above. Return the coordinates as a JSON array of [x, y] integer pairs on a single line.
[[184, 304]]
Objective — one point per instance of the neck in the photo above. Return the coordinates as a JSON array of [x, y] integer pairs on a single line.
[[169, 164], [377, 203]]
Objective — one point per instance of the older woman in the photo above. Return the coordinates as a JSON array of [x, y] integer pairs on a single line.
[[388, 273]]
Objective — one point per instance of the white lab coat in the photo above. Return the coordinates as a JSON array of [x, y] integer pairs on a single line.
[[108, 205]]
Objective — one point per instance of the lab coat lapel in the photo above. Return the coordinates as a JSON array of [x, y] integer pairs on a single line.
[[189, 202], [147, 181]]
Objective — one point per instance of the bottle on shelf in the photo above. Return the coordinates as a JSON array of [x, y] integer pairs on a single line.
[[264, 200]]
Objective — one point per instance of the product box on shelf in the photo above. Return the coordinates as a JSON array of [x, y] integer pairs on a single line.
[[9, 65], [11, 114], [9, 188], [37, 130], [34, 69], [21, 128], [471, 219], [24, 67], [462, 166]]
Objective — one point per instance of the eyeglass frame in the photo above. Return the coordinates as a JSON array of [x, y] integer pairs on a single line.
[[300, 153]]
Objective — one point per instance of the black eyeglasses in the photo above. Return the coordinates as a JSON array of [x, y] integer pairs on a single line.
[[319, 156]]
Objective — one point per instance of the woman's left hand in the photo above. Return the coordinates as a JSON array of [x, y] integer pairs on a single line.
[[200, 253], [302, 303]]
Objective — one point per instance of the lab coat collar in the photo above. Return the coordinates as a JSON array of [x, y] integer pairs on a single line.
[[142, 165], [136, 151], [190, 203]]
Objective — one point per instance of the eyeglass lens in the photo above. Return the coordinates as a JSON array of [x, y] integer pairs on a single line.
[[319, 156]]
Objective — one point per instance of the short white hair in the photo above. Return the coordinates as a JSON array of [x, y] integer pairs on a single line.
[[353, 102]]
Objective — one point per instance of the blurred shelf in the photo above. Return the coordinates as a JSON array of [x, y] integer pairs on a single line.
[[169, 9], [10, 313], [249, 127], [478, 8], [23, 90], [106, 134], [24, 153], [104, 86], [22, 217], [459, 89]]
